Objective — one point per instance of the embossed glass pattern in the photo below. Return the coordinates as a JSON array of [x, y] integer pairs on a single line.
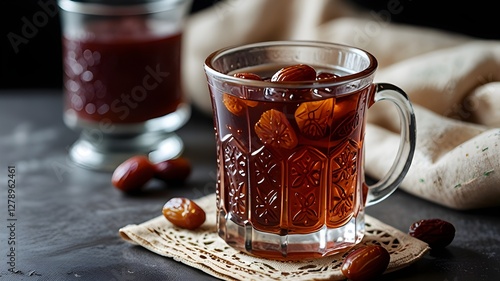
[[290, 155]]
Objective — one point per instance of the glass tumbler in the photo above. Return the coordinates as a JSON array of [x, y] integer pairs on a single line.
[[290, 154], [122, 84]]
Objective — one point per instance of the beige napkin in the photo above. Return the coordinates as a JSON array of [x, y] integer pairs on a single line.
[[204, 250], [453, 82]]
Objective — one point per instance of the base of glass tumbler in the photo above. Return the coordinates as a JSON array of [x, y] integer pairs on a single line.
[[324, 242], [110, 151], [104, 147]]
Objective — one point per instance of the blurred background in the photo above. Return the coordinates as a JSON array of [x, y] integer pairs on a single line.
[[31, 45]]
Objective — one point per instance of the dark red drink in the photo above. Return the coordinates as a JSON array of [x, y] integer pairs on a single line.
[[122, 77], [291, 165]]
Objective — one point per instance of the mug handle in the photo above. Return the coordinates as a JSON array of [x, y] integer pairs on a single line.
[[388, 184]]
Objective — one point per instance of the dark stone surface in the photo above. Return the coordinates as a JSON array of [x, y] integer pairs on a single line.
[[68, 218]]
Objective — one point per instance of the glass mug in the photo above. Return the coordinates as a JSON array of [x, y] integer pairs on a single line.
[[290, 154], [122, 84]]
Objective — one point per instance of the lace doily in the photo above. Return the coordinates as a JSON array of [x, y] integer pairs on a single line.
[[204, 250]]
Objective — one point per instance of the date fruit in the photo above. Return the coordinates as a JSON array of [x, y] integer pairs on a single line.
[[297, 72], [274, 130], [173, 170], [366, 263], [248, 75], [184, 213], [435, 232], [133, 173], [314, 117], [248, 93], [326, 75], [233, 104]]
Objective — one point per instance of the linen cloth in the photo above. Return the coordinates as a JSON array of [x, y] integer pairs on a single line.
[[453, 82]]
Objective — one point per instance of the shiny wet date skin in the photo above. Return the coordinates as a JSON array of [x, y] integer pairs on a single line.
[[365, 263], [184, 213], [435, 232], [131, 175]]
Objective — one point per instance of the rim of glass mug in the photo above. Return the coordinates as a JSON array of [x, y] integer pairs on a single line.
[[214, 60], [345, 85], [239, 186], [118, 8]]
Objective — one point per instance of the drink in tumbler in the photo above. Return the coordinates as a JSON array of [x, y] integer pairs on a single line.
[[122, 84]]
